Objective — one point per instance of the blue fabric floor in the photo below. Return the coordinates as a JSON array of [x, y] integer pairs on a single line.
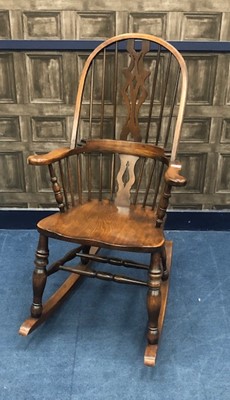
[[93, 346]]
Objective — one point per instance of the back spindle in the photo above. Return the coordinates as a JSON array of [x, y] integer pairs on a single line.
[[63, 183], [70, 182], [153, 92], [115, 90], [91, 99], [172, 107], [150, 178], [89, 176], [163, 99], [79, 178], [103, 94]]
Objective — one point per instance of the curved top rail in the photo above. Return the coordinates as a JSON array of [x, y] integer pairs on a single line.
[[137, 36]]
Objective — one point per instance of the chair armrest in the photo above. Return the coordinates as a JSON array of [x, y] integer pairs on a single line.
[[49, 158], [172, 176]]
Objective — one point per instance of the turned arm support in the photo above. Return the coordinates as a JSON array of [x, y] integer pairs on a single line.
[[172, 178], [48, 159]]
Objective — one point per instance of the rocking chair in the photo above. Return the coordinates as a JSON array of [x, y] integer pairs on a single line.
[[113, 184]]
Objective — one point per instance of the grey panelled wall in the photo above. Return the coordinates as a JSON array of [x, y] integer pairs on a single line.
[[37, 90]]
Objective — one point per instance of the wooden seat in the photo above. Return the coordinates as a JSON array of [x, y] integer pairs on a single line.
[[93, 224], [112, 185]]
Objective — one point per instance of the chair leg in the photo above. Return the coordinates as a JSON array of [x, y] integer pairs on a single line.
[[154, 298], [86, 250], [157, 299], [165, 274], [39, 276], [55, 300]]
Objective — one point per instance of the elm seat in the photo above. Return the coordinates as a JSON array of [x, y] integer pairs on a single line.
[[102, 223], [113, 183]]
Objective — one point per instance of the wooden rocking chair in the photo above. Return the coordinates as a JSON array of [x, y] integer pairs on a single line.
[[113, 184]]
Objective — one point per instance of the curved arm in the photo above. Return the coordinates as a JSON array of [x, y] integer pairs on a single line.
[[101, 145], [172, 176], [49, 158]]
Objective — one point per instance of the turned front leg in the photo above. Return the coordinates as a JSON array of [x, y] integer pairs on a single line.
[[39, 276], [154, 298]]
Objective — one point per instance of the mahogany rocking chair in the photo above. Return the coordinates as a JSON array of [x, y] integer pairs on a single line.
[[113, 184]]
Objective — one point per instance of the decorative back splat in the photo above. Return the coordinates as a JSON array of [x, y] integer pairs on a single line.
[[134, 92], [127, 166]]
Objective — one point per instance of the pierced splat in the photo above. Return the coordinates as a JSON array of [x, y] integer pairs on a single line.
[[125, 180], [134, 92]]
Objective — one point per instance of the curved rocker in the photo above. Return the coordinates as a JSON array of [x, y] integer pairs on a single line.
[[30, 324], [151, 349]]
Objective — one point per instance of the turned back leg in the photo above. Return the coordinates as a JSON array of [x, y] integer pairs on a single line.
[[154, 298], [39, 275]]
